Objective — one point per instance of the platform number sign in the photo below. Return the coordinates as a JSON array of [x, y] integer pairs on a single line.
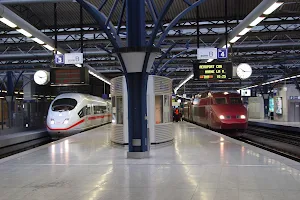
[[222, 53], [59, 59]]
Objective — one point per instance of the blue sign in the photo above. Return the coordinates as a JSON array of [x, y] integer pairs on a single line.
[[104, 96], [222, 53], [59, 59]]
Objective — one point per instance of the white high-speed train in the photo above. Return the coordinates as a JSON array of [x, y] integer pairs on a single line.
[[72, 113]]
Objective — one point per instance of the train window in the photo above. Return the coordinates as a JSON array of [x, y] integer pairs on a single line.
[[99, 109], [235, 100], [220, 100], [64, 104], [82, 112]]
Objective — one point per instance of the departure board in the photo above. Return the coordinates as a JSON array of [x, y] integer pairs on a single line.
[[212, 71], [69, 76]]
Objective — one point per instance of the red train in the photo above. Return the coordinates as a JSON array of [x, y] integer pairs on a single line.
[[217, 110]]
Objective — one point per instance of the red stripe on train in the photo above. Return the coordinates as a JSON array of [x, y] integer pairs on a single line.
[[65, 129]]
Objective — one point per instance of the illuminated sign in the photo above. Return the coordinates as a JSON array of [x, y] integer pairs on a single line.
[[69, 76], [212, 71]]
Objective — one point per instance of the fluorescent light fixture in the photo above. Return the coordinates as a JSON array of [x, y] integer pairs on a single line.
[[8, 23], [233, 40], [244, 31], [228, 45], [209, 60], [78, 65], [24, 32], [48, 47], [257, 21], [272, 8], [37, 40], [181, 84], [58, 52], [97, 76]]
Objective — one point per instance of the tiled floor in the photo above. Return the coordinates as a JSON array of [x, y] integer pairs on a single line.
[[293, 124], [199, 165]]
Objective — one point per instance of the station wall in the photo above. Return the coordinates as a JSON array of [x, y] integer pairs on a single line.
[[290, 103], [255, 108]]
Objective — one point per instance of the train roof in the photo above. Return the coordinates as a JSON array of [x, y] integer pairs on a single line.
[[217, 94], [80, 95]]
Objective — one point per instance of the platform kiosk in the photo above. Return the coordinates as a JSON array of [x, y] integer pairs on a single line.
[[159, 109]]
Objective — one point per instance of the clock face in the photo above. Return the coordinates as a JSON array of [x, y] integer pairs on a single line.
[[244, 71], [41, 77]]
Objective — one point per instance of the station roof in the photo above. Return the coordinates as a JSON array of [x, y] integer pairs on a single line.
[[271, 48]]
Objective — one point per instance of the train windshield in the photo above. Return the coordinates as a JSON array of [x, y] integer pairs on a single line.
[[220, 100], [235, 100], [65, 104]]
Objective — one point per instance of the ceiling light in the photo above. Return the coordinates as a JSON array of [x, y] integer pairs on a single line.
[[78, 65], [97, 76], [48, 47], [246, 30], [209, 60], [24, 32], [236, 38], [257, 21], [58, 52], [8, 23], [37, 40], [272, 8], [224, 47]]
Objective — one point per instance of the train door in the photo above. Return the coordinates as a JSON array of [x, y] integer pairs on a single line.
[[88, 116]]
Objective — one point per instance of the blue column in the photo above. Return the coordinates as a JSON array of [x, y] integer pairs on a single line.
[[9, 96], [136, 81], [135, 23]]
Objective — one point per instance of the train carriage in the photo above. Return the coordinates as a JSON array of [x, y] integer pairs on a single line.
[[72, 113], [218, 110]]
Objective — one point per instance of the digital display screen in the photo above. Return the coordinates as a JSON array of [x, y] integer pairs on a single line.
[[279, 105], [69, 76], [212, 71], [271, 105]]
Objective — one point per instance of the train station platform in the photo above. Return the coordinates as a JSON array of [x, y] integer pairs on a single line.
[[290, 126], [200, 164], [15, 141]]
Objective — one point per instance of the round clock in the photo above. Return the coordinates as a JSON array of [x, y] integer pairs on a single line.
[[41, 77], [244, 71]]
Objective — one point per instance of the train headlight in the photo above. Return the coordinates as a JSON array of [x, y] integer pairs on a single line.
[[221, 117], [66, 121], [52, 121], [243, 117]]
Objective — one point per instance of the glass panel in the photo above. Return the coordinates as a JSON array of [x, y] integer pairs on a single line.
[[167, 109], [159, 109], [235, 100], [64, 104], [220, 101], [119, 110], [82, 112]]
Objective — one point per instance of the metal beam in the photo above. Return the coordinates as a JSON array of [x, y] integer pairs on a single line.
[[258, 11], [33, 1], [21, 23]]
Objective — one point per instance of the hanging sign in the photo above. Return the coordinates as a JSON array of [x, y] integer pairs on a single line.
[[69, 58], [212, 71], [206, 53]]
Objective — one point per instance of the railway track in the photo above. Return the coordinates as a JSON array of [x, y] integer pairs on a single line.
[[23, 146], [285, 143]]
